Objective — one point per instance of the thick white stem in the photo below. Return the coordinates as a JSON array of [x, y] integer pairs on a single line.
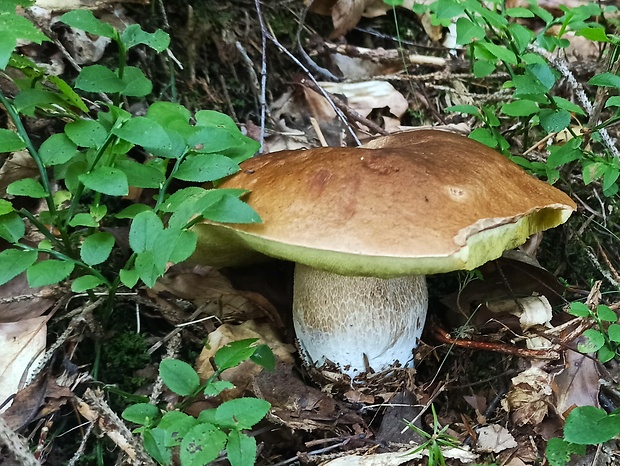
[[341, 319]]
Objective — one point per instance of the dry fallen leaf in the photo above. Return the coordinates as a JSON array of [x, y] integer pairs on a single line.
[[577, 384], [528, 398], [364, 97], [495, 438]]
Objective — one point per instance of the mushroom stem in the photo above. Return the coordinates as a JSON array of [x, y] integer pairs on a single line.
[[347, 320]]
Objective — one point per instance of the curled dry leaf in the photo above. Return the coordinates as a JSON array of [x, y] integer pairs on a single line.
[[364, 97], [529, 397], [577, 384], [243, 375]]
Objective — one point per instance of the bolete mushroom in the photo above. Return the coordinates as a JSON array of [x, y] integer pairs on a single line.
[[365, 225]]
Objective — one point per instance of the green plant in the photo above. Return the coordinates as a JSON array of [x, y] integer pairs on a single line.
[[494, 35], [604, 340], [200, 440], [98, 157], [435, 441]]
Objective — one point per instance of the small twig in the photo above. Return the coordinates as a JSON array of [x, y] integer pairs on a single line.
[[171, 351], [16, 445], [80, 451], [383, 55], [263, 73], [604, 273]]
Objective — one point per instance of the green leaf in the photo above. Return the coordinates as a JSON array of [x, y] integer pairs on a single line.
[[148, 268], [174, 245], [98, 78], [234, 353], [134, 35], [484, 136], [132, 210], [106, 180], [502, 53], [155, 445], [605, 354], [554, 121], [86, 21], [10, 141], [593, 171], [483, 68], [5, 207], [141, 175], [201, 445], [141, 413], [467, 31], [579, 309], [27, 187], [68, 93], [264, 357], [129, 277], [559, 451], [466, 109], [543, 73], [144, 230], [12, 227], [561, 155], [241, 413], [561, 102], [596, 34], [86, 133], [520, 108], [591, 341], [519, 12], [97, 247], [83, 220], [613, 102], [179, 376], [136, 83], [28, 100], [241, 449], [227, 208], [215, 119], [613, 331], [176, 425], [587, 425], [15, 261], [144, 132], [206, 167], [57, 149], [606, 314], [217, 386], [48, 272], [606, 80], [84, 283]]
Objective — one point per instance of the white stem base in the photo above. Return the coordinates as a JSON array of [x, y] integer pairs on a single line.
[[341, 319]]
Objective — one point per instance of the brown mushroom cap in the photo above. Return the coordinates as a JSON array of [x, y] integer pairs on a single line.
[[425, 202]]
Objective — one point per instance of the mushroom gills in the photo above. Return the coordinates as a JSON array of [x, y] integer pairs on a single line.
[[350, 320]]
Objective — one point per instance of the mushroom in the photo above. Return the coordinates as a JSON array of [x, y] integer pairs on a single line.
[[365, 225]]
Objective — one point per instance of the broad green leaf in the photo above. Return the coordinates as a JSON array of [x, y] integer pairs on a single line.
[[148, 268], [448, 9], [210, 139], [181, 197], [522, 37], [83, 220], [217, 386], [613, 331], [606, 314], [144, 231], [132, 210], [596, 34], [484, 136], [10, 141], [206, 167], [559, 451], [264, 357], [483, 68], [241, 449], [234, 353], [502, 53], [84, 283], [561, 155], [57, 149], [543, 74], [155, 445], [143, 132], [136, 83], [141, 175], [466, 109], [86, 133], [591, 341], [613, 101], [201, 445], [519, 12], [593, 171], [554, 121], [134, 35], [179, 376], [6, 207], [606, 80], [12, 227], [48, 272], [86, 21], [561, 102], [168, 114], [174, 245], [129, 277], [28, 100], [520, 108], [605, 354], [106, 180], [97, 247], [15, 261], [141, 413], [213, 118], [241, 413], [68, 93], [27, 187], [98, 78], [467, 31], [176, 424], [229, 209], [579, 309], [587, 425]]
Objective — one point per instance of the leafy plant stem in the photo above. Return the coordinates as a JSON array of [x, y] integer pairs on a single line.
[[33, 152], [62, 245], [164, 187]]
